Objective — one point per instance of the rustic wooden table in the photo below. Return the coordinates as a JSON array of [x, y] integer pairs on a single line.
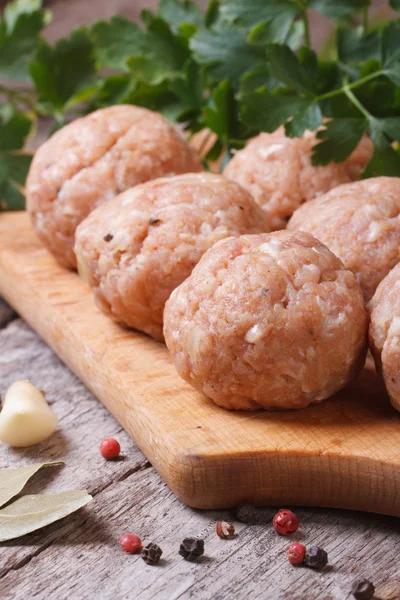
[[80, 557]]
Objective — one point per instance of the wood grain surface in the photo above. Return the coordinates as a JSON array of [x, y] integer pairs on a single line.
[[79, 558], [343, 452]]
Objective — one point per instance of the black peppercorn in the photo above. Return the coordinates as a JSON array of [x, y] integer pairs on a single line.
[[151, 554], [155, 221], [315, 558], [191, 548], [108, 237], [362, 589]]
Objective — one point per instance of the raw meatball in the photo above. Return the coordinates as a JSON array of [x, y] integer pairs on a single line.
[[384, 333], [360, 223], [271, 321], [135, 249], [277, 171], [92, 160]]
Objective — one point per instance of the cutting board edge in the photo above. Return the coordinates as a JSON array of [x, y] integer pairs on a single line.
[[332, 471], [227, 484]]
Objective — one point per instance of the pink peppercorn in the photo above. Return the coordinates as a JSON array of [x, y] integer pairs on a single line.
[[285, 522], [110, 448], [296, 553], [131, 543]]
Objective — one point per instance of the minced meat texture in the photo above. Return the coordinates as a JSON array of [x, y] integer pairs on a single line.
[[91, 160], [270, 320], [137, 248]]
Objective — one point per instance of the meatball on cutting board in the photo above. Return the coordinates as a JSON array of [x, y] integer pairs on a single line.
[[360, 223], [277, 171], [384, 332], [272, 321], [137, 248], [93, 159]]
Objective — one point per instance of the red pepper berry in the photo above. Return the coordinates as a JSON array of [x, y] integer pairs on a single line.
[[110, 448], [131, 543], [285, 522], [296, 553]]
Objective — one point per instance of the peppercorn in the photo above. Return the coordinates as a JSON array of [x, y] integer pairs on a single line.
[[296, 553], [315, 558], [131, 543], [191, 548], [110, 448], [108, 237], [225, 530], [362, 589], [285, 522], [151, 554]]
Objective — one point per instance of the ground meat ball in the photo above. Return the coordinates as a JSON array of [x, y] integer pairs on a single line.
[[384, 333], [135, 249], [277, 171], [271, 321], [92, 160], [360, 223]]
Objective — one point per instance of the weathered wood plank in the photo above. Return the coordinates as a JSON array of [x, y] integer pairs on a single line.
[[80, 557], [87, 562], [83, 423]]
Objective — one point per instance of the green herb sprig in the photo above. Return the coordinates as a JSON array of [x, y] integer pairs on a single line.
[[242, 67]]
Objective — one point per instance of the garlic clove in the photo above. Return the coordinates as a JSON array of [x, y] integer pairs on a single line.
[[26, 418]]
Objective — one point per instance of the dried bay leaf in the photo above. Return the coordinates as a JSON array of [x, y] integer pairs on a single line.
[[12, 481], [31, 512]]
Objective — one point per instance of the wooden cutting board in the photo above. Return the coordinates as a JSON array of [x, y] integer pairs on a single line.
[[344, 452]]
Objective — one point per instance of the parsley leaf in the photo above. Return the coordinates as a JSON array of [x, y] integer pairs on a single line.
[[220, 115], [255, 79], [384, 131], [13, 165], [280, 13], [279, 30], [266, 111], [299, 73], [338, 9], [354, 45], [176, 13], [65, 74], [113, 39], [189, 90], [339, 138], [385, 161], [390, 51], [20, 27], [212, 13], [124, 89], [154, 54], [309, 117], [225, 53], [160, 56]]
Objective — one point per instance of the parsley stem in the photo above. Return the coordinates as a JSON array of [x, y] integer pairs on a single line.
[[304, 16], [354, 100], [349, 86]]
